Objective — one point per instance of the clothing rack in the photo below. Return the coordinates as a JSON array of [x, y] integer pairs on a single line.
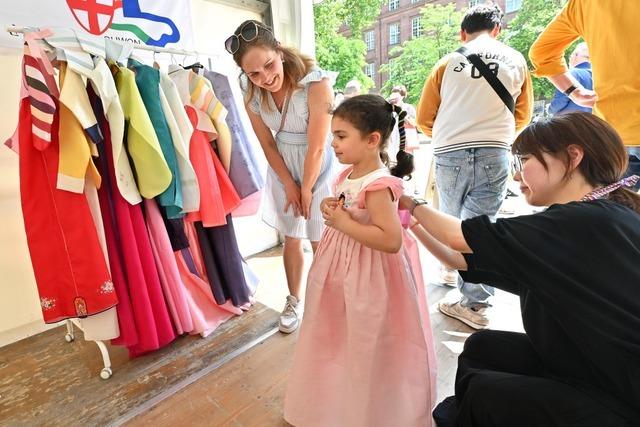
[[69, 337], [16, 30]]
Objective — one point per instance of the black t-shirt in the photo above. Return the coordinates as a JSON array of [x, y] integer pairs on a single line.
[[576, 268]]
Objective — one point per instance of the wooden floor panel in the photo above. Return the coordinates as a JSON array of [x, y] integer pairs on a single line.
[[249, 390], [46, 381]]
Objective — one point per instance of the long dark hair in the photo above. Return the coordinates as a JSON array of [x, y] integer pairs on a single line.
[[295, 65], [605, 158], [372, 113]]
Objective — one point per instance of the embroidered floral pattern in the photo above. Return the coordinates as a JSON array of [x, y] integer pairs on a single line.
[[107, 287], [47, 303], [81, 306]]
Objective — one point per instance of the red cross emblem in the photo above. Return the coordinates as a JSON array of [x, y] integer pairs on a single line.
[[95, 16]]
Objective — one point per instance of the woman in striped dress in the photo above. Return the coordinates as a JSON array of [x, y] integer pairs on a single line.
[[285, 93]]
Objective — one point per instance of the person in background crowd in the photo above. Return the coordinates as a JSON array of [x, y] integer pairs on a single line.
[[472, 130], [397, 97], [287, 94], [581, 71], [614, 60], [352, 88], [338, 97]]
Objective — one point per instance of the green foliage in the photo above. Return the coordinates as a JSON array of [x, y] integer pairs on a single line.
[[416, 57], [413, 61], [531, 19], [326, 16], [359, 14], [338, 53], [441, 26], [345, 56]]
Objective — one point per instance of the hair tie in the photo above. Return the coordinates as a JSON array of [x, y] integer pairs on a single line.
[[599, 193], [401, 115]]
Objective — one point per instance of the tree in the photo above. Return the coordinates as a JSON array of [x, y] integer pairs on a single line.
[[359, 14], [346, 56], [416, 57], [338, 53], [532, 18]]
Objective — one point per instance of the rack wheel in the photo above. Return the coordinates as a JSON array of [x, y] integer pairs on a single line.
[[69, 337], [106, 373]]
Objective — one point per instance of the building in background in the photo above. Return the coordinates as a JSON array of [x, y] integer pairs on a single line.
[[399, 21]]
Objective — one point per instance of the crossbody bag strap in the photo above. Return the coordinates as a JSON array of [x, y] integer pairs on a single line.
[[490, 77], [285, 108]]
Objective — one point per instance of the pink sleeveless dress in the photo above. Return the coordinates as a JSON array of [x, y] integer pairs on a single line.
[[365, 353]]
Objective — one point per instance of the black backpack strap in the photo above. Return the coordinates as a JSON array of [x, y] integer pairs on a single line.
[[491, 78]]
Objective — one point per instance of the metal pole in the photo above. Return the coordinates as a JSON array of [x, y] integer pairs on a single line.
[[15, 30]]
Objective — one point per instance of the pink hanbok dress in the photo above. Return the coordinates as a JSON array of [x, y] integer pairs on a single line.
[[365, 352]]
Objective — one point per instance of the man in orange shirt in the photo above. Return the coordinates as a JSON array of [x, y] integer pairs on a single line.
[[609, 28]]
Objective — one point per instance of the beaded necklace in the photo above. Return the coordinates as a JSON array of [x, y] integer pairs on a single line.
[[599, 193]]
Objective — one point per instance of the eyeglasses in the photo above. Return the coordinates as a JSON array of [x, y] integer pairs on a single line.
[[516, 164], [248, 32]]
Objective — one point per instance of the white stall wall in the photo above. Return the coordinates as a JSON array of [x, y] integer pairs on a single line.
[[293, 24], [20, 314]]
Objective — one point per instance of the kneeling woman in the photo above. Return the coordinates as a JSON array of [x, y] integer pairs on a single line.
[[576, 268]]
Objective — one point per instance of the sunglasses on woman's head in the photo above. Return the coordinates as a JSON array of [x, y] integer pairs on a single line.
[[248, 32]]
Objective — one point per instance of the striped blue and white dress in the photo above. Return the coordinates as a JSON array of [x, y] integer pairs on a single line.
[[292, 145]]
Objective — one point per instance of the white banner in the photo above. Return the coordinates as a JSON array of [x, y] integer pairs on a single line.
[[163, 23]]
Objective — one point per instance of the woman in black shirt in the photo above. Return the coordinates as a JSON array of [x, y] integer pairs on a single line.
[[576, 268]]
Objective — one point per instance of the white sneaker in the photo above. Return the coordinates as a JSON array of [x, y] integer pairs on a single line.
[[477, 319], [290, 317], [449, 277]]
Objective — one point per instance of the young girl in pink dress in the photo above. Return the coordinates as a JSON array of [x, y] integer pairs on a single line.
[[365, 352]]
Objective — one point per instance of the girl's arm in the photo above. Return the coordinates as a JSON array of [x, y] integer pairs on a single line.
[[275, 160], [383, 234], [320, 101]]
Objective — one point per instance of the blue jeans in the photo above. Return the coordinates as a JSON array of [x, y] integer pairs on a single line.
[[472, 182], [634, 164]]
